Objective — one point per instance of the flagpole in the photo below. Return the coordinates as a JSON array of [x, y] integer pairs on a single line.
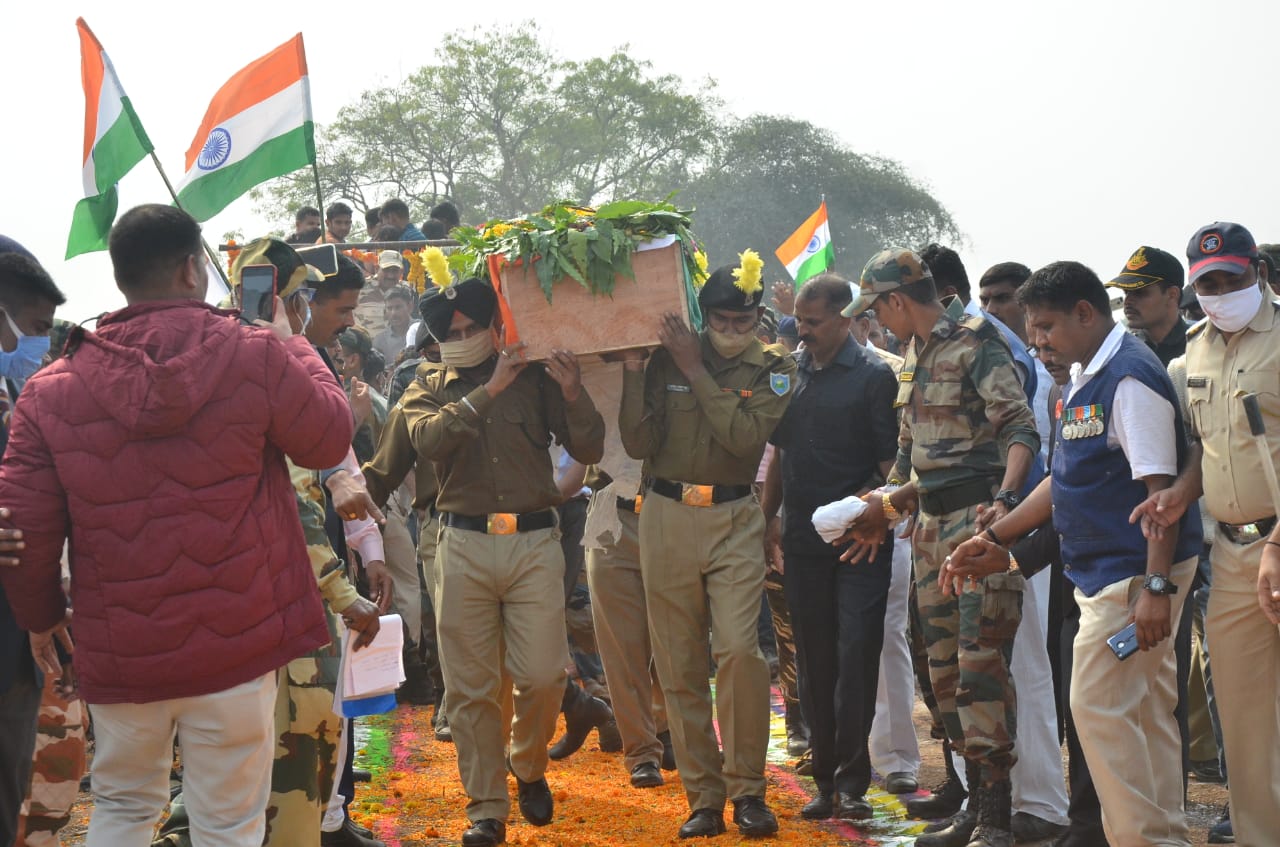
[[213, 257], [315, 171], [822, 202]]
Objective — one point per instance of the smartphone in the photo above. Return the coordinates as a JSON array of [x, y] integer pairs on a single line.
[[322, 257], [1125, 642], [258, 293]]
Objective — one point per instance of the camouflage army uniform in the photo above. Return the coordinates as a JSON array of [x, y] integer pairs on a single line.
[[308, 733], [962, 408], [58, 765]]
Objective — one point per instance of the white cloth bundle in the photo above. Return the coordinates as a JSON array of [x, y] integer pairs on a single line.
[[833, 520]]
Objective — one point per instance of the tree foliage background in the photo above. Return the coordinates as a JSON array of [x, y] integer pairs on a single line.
[[501, 126]]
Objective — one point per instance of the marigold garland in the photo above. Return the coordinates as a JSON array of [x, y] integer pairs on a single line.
[[700, 259], [417, 271]]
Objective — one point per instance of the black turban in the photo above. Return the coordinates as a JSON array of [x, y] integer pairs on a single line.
[[474, 297], [721, 292]]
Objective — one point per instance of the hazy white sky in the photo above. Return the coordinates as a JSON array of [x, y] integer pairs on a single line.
[[1050, 130]]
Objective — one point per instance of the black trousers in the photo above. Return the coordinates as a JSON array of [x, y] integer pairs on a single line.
[[19, 708], [837, 618]]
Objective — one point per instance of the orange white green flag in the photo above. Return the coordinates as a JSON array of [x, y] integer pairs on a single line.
[[114, 142], [258, 127], [808, 251]]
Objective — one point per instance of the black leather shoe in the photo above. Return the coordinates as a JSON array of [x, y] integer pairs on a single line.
[[1026, 828], [347, 836], [954, 833], [485, 833], [536, 803], [609, 736], [360, 830], [361, 775], [901, 782], [646, 775], [584, 714], [754, 817], [442, 730], [818, 809], [668, 752], [851, 807], [943, 803], [703, 823], [1085, 836]]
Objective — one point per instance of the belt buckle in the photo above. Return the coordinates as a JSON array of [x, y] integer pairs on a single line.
[[697, 495], [639, 502], [501, 523], [1248, 533]]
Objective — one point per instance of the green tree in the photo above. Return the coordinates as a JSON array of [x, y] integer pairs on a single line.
[[768, 175]]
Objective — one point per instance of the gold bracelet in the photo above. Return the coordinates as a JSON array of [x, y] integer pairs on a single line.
[[889, 511]]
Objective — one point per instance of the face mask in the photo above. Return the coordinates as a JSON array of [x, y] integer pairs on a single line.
[[25, 359], [730, 344], [1231, 312], [467, 353]]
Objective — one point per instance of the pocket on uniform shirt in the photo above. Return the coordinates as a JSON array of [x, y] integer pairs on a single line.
[[1199, 393], [1001, 607], [1266, 385], [516, 417], [682, 401]]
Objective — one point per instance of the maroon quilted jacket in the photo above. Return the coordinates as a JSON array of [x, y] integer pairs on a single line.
[[157, 444]]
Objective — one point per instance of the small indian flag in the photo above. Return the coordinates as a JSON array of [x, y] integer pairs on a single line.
[[808, 251], [258, 127], [114, 142]]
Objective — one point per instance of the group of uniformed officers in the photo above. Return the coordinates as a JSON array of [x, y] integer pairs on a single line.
[[952, 442]]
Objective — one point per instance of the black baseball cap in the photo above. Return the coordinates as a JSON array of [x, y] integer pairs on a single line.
[[1148, 266], [1220, 246]]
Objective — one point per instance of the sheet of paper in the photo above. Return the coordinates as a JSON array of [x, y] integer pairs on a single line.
[[377, 668]]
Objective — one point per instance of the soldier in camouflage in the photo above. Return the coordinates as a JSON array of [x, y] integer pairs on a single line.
[[967, 442], [56, 769]]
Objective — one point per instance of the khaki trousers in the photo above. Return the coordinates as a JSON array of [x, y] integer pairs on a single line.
[[402, 563], [622, 636], [703, 570], [1123, 713], [500, 604], [1246, 684]]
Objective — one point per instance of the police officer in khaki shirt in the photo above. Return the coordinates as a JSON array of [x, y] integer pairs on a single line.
[[1235, 353], [699, 415], [485, 421]]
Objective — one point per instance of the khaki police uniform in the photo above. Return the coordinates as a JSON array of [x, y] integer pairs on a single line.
[[701, 543], [500, 569], [621, 619], [1246, 646]]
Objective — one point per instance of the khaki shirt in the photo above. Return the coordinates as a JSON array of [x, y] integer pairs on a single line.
[[370, 306], [490, 453], [1219, 374], [962, 406], [711, 431], [396, 456]]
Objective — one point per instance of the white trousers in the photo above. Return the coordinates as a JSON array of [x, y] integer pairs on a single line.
[[894, 748], [228, 743]]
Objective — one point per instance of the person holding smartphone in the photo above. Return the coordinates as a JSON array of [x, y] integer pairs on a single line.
[[1119, 439]]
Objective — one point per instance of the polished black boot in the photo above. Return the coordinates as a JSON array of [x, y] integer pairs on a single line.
[[946, 798], [957, 831], [582, 713], [994, 827]]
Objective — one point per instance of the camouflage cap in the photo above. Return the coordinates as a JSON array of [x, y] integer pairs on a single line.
[[886, 271]]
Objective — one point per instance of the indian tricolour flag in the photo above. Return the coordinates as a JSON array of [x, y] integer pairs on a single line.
[[258, 127], [114, 142], [808, 251]]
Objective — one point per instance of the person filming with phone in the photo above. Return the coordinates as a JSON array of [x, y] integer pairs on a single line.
[[1120, 439]]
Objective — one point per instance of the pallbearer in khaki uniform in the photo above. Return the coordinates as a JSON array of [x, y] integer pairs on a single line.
[[699, 415], [1236, 352], [485, 420]]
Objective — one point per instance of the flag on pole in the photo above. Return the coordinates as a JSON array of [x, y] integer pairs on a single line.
[[808, 251], [258, 127], [114, 142]]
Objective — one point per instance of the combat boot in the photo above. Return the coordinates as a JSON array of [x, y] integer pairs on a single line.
[[582, 713], [957, 831], [946, 798], [994, 827]]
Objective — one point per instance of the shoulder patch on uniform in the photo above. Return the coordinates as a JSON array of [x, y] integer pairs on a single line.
[[678, 387], [780, 383]]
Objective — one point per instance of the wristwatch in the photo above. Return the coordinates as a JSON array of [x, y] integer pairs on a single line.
[[892, 514], [1008, 497], [1159, 584]]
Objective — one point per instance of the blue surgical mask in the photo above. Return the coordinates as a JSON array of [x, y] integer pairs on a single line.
[[25, 359]]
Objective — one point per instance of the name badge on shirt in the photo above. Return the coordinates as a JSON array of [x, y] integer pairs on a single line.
[[1083, 422], [683, 389]]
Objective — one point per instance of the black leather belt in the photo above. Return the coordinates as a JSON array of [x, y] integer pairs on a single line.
[[1248, 533], [699, 495], [956, 497], [500, 523], [625, 505]]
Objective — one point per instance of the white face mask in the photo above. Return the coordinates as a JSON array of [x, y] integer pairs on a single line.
[[730, 344], [469, 352], [1231, 312]]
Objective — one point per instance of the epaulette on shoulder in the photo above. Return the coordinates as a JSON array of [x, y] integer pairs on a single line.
[[1198, 327], [776, 351], [980, 326]]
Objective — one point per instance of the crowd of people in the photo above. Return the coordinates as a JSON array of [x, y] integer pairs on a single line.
[[1036, 517]]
